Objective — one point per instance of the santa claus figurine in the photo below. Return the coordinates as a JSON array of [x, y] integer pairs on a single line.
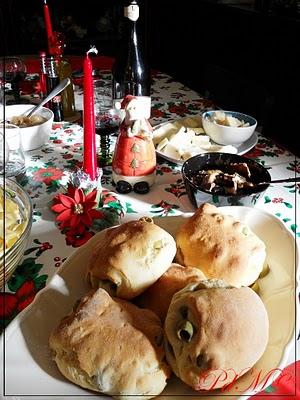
[[134, 159]]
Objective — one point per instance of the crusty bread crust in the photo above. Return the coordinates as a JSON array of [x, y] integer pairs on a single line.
[[158, 296], [132, 257], [228, 331], [111, 346], [220, 246]]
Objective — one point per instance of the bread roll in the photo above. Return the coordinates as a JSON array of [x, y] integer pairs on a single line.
[[214, 332], [131, 257], [158, 296], [111, 346], [222, 247]]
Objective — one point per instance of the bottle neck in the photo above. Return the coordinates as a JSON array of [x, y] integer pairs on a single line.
[[43, 64], [131, 73], [52, 73]]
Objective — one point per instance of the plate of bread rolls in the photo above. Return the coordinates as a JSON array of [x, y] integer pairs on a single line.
[[198, 304]]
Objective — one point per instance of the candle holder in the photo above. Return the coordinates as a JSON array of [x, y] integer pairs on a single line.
[[85, 208], [81, 180]]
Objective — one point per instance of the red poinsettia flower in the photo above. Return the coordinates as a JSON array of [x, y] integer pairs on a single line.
[[179, 109], [25, 294], [254, 153], [205, 103], [175, 191], [78, 236], [107, 197], [166, 169], [47, 175], [156, 113], [10, 303], [75, 208], [67, 156], [277, 200], [57, 126]]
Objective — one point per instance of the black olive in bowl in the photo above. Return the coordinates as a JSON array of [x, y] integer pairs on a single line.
[[224, 179]]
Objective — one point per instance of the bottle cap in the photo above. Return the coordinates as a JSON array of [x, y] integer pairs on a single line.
[[132, 11]]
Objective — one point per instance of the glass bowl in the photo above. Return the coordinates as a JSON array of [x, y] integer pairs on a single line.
[[10, 258], [221, 161]]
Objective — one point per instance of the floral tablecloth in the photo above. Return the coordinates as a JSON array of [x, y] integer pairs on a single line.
[[48, 169]]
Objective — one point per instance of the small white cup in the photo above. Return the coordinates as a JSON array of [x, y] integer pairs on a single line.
[[15, 162]]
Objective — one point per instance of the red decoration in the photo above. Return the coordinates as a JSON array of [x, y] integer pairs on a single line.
[[89, 133], [78, 236], [16, 302], [47, 175], [48, 26], [134, 156], [76, 208], [286, 386]]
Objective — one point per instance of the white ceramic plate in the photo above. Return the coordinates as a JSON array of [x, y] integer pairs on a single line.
[[30, 371], [241, 149]]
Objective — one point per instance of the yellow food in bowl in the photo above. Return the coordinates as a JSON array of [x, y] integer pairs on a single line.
[[15, 226], [24, 122], [10, 216]]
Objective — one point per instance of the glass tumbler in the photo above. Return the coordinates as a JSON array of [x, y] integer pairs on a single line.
[[3, 153], [107, 120], [15, 160]]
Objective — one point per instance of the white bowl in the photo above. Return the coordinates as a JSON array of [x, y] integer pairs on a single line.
[[228, 135], [32, 136]]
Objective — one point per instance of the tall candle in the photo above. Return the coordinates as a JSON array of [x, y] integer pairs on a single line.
[[48, 26], [89, 132]]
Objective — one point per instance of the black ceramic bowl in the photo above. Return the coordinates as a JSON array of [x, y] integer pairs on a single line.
[[245, 197]]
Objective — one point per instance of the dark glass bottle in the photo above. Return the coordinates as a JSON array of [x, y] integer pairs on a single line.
[[64, 70], [43, 75], [130, 72], [53, 80]]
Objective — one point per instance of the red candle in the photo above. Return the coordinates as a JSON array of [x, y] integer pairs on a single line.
[[48, 25], [89, 133]]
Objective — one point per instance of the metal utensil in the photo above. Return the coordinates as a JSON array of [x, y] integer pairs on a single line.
[[285, 180], [59, 88]]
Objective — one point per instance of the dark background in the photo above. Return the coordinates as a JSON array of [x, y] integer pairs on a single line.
[[242, 54]]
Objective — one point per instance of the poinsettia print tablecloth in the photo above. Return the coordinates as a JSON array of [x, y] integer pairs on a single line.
[[47, 173]]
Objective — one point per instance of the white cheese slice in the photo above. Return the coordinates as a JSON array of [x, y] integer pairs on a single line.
[[197, 131], [232, 121], [181, 138], [201, 142], [171, 151], [162, 144]]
